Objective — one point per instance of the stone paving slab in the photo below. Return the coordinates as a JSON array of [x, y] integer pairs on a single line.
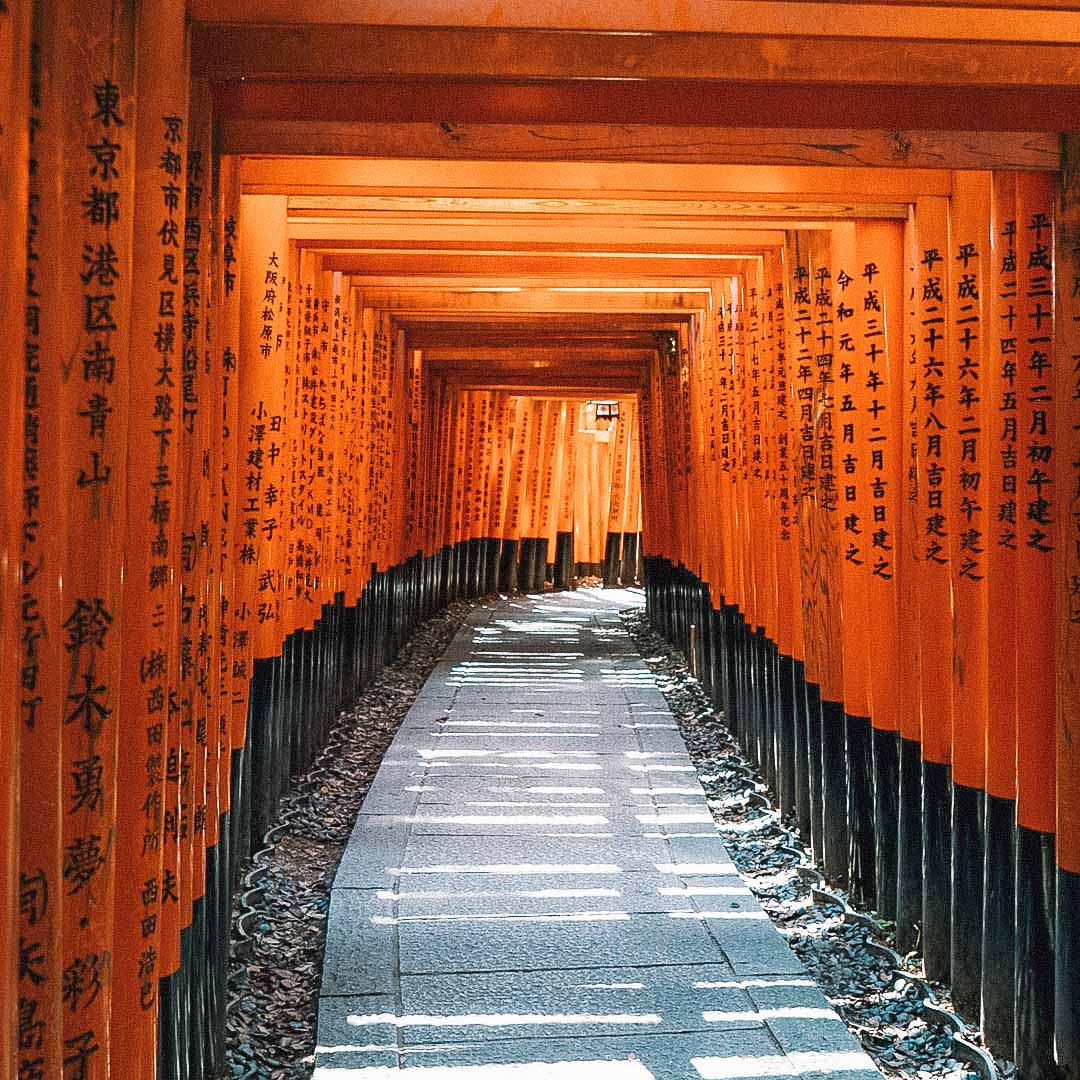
[[534, 887]]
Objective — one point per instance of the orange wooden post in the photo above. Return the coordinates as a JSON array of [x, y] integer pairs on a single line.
[[497, 477], [880, 296], [85, 161], [259, 524], [1002, 429], [512, 537], [18, 622], [225, 324], [800, 324], [1067, 592], [152, 542], [937, 418], [234, 464], [632, 497], [909, 827], [567, 503], [554, 488], [790, 393], [812, 330], [855, 335], [968, 257], [1037, 508], [41, 656], [790, 715], [197, 555]]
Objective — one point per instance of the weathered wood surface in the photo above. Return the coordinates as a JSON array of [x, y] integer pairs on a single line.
[[346, 137]]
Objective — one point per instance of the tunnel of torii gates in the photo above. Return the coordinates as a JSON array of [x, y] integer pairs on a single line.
[[311, 327]]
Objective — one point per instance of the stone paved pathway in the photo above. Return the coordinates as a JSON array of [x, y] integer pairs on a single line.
[[534, 888]]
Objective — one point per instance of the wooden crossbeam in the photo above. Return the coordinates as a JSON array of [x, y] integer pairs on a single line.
[[968, 19], [530, 300], [512, 268], [350, 51], [583, 179]]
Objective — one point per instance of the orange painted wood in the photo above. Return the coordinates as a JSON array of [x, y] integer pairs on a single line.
[[198, 574], [969, 256], [18, 622], [240, 623], [937, 420], [152, 544], [350, 51], [405, 128], [1067, 556], [1038, 505], [881, 246], [911, 550], [86, 163], [852, 456], [1000, 494], [263, 293]]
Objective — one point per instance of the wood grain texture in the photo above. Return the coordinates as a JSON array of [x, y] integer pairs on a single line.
[[641, 142]]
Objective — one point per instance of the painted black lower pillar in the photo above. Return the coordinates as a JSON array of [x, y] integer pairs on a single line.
[[491, 566], [1067, 974], [813, 757], [612, 559], [885, 747], [539, 564], [860, 808], [937, 866], [1036, 886], [909, 899], [508, 566], [785, 734], [998, 989], [837, 833], [800, 751], [966, 902]]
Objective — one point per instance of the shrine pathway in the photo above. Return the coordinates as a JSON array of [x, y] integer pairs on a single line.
[[535, 889]]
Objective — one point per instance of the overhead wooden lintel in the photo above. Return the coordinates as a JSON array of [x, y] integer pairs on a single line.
[[354, 51], [538, 354], [334, 208], [588, 179], [601, 388], [529, 300], [640, 142], [971, 19], [514, 269], [609, 233]]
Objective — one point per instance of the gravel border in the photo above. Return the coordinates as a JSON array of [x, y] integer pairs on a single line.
[[902, 1021], [279, 915]]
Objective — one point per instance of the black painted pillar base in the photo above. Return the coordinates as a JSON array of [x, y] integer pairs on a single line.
[[800, 749], [491, 567], [508, 566], [909, 900], [937, 864], [885, 748], [564, 560], [526, 550], [1067, 974], [860, 809], [998, 990], [968, 842], [1036, 887], [629, 570], [834, 768], [612, 559], [786, 742], [813, 758], [539, 564]]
